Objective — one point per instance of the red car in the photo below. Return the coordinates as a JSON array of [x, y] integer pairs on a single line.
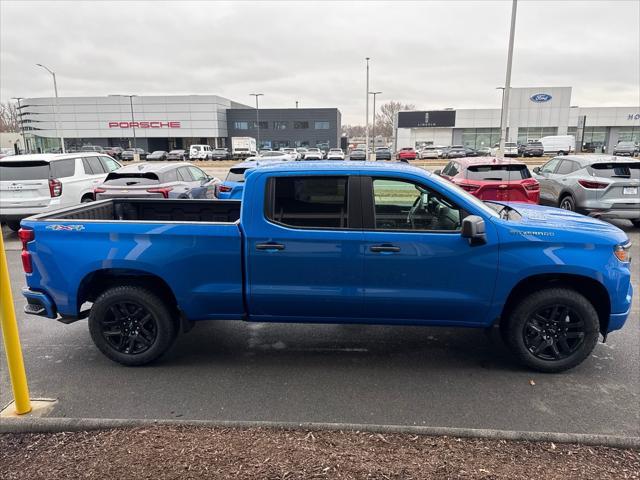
[[493, 179], [406, 153]]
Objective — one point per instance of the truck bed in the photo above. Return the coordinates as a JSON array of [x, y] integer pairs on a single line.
[[151, 210]]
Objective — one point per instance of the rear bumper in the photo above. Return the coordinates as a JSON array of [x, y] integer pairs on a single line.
[[39, 303]]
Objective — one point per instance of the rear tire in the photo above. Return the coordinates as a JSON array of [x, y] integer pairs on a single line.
[[13, 225], [553, 330], [87, 199], [561, 153], [567, 203], [131, 325]]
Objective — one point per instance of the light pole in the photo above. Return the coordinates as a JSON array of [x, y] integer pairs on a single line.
[[507, 82], [501, 110], [55, 89], [133, 122], [257, 119], [373, 127], [24, 140], [366, 124]]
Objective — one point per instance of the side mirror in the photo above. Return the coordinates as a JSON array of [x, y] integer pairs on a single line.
[[473, 229], [536, 170], [437, 172]]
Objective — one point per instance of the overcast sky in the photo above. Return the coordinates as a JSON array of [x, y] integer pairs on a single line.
[[431, 54]]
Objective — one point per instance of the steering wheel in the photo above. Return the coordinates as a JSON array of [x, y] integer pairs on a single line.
[[417, 205]]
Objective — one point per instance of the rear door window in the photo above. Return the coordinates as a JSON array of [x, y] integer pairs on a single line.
[[566, 167], [500, 173], [309, 202], [92, 166], [63, 168], [184, 174], [12, 171]]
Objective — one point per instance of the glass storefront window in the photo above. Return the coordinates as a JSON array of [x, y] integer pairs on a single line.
[[531, 134], [263, 125], [629, 134], [280, 125], [480, 137], [241, 125], [298, 125], [322, 125]]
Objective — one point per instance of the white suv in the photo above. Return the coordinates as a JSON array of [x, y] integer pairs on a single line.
[[31, 184], [200, 152]]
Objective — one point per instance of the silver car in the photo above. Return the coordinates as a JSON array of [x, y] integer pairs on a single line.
[[597, 185]]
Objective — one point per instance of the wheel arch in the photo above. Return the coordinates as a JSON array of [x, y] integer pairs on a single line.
[[591, 289]]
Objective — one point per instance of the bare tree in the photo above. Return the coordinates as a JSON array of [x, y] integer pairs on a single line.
[[353, 130], [9, 117], [387, 115]]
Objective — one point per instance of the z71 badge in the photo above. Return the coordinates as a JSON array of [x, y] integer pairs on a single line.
[[69, 228]]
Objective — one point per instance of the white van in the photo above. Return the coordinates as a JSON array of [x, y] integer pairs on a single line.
[[558, 144], [200, 152]]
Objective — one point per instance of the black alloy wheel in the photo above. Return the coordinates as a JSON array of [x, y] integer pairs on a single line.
[[554, 332], [129, 328]]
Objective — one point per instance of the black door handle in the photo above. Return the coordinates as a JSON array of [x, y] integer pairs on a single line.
[[269, 246], [384, 248]]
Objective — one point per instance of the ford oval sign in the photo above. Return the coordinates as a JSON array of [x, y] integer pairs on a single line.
[[541, 97]]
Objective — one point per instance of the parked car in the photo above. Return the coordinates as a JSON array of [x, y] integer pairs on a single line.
[[430, 152], [152, 180], [406, 153], [533, 149], [558, 144], [292, 152], [128, 154], [493, 179], [114, 152], [220, 154], [456, 151], [157, 155], [357, 154], [233, 185], [199, 152], [335, 154], [31, 184], [294, 251], [313, 154], [274, 155], [628, 149], [92, 148], [177, 155], [301, 151], [601, 186], [383, 153], [484, 152], [470, 152]]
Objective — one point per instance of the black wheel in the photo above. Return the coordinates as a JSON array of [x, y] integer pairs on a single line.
[[561, 153], [131, 325], [567, 203], [87, 199], [13, 225], [553, 330]]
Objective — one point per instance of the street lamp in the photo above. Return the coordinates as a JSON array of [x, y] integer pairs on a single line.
[[257, 119], [24, 141], [366, 124], [55, 89], [373, 128], [133, 122], [507, 81], [501, 110]]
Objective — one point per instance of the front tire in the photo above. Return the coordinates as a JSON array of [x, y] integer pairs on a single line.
[[131, 325], [552, 330], [568, 203]]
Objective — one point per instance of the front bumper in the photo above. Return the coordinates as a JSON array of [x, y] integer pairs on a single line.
[[39, 303], [617, 320]]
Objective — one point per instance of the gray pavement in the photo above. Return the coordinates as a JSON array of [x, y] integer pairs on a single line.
[[237, 371]]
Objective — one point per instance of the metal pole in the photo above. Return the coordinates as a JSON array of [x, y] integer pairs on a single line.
[[257, 119], [11, 337], [133, 123], [24, 140], [507, 83], [373, 127], [55, 89], [501, 111], [366, 128]]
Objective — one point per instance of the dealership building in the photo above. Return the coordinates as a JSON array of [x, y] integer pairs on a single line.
[[169, 122], [533, 113]]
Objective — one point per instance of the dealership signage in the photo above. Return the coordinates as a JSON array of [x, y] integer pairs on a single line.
[[152, 124], [540, 97], [436, 118], [633, 116]]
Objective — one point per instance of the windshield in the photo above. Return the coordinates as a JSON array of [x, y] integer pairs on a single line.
[[158, 152], [626, 145], [272, 154], [236, 175], [502, 173], [10, 171]]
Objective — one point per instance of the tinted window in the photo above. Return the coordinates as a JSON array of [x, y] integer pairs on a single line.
[[550, 166], [170, 176], [566, 166], [451, 170], [109, 164], [94, 166], [123, 179], [319, 202], [63, 168], [197, 173], [184, 174], [300, 125], [617, 170], [401, 205], [24, 171], [502, 173], [236, 175]]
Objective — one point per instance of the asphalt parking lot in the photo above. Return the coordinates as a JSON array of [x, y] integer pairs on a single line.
[[316, 373]]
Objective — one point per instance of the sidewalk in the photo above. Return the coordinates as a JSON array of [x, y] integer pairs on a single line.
[[160, 452]]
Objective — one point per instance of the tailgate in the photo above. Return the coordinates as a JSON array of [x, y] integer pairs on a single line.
[[513, 192], [24, 184]]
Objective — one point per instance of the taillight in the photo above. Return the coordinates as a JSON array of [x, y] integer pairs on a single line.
[[468, 187], [26, 235], [55, 187], [163, 190], [592, 184], [224, 188], [532, 186]]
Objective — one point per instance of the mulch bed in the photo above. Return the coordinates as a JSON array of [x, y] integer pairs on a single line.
[[200, 452]]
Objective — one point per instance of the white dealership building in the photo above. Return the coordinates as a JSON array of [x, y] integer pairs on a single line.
[[533, 113]]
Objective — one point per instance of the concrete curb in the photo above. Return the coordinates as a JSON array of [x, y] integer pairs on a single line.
[[55, 425]]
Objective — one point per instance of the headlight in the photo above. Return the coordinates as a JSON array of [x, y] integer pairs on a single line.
[[622, 252]]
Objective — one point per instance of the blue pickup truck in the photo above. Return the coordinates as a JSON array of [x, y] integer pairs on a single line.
[[338, 242]]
